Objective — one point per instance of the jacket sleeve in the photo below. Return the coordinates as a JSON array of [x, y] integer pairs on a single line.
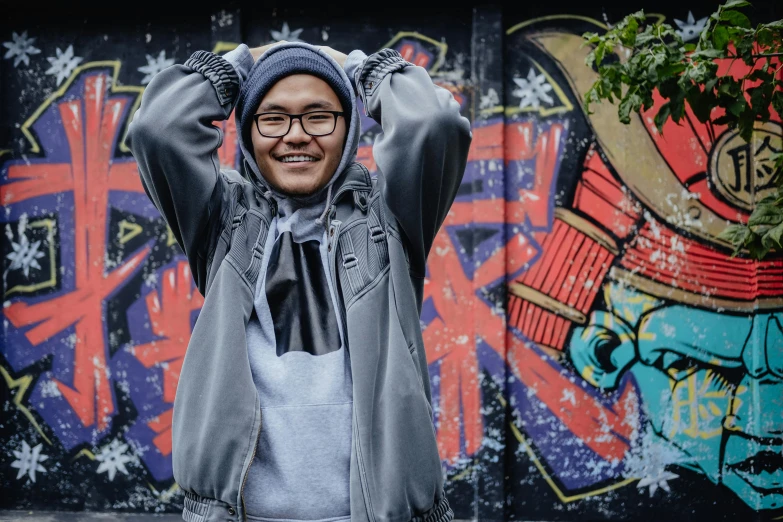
[[422, 149], [175, 145]]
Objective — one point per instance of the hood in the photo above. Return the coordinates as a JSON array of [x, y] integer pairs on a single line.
[[349, 150]]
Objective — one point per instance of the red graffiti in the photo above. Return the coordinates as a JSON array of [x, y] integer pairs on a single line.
[[462, 319], [409, 53], [91, 127], [170, 311], [605, 430], [162, 426]]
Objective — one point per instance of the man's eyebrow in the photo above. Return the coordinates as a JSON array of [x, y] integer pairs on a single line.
[[271, 107], [318, 104]]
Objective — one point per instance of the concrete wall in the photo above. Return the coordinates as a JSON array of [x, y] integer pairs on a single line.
[[595, 352]]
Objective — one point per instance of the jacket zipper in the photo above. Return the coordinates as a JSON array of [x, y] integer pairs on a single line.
[[333, 241], [273, 204], [247, 471]]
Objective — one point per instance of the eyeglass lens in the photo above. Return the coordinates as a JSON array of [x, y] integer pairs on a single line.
[[274, 125]]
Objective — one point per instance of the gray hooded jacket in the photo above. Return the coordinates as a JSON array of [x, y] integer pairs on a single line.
[[377, 235]]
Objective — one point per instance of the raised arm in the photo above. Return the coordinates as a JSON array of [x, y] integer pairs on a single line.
[[423, 147], [175, 145]]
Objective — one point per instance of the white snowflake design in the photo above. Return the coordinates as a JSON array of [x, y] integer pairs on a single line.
[[113, 458], [25, 254], [691, 28], [648, 459], [532, 90], [490, 99], [659, 480], [20, 48], [63, 64], [223, 18], [28, 461], [154, 66], [286, 34]]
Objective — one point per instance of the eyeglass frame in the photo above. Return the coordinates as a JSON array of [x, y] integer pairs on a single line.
[[293, 117]]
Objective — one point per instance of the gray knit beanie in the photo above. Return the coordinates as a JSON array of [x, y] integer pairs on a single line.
[[277, 65]]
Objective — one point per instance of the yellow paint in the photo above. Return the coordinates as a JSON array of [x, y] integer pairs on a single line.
[[532, 21], [588, 374], [692, 400], [5, 151], [52, 281], [441, 46], [223, 47], [643, 334], [498, 109], [128, 231], [113, 85], [23, 383], [170, 240], [565, 104], [166, 494], [549, 480], [465, 473], [87, 453]]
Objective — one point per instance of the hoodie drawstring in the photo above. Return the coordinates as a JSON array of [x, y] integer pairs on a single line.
[[320, 220]]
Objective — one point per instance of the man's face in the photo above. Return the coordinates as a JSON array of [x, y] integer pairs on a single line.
[[711, 385], [297, 94]]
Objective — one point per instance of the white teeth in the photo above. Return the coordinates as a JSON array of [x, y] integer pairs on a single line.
[[289, 159]]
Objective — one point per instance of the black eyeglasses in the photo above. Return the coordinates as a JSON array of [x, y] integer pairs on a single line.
[[314, 123]]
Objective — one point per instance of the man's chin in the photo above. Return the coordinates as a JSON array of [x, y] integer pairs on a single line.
[[297, 189]]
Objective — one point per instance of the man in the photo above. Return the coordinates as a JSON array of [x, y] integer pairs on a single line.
[[304, 393]]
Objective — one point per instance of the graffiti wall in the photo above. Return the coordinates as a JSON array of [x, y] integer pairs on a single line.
[[594, 350]]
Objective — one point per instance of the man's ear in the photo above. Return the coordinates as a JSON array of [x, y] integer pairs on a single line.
[[603, 350]]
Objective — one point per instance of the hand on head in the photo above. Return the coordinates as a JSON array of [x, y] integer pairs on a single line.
[[258, 51], [339, 57]]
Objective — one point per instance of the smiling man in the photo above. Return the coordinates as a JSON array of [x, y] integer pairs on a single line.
[[304, 393]]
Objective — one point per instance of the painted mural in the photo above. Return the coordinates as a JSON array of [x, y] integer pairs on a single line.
[[594, 351]]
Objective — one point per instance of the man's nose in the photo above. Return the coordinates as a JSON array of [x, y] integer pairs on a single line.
[[296, 133], [756, 408]]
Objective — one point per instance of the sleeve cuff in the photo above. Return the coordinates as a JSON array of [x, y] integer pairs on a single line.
[[354, 63], [241, 59], [219, 71], [374, 69]]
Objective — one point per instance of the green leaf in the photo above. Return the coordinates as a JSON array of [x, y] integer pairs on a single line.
[[592, 38], [724, 120], [764, 36], [671, 69], [632, 102], [729, 86], [766, 214], [701, 103], [628, 36], [756, 248], [735, 18], [731, 4], [678, 107], [709, 54], [777, 101], [663, 114], [738, 106], [735, 234], [745, 125], [720, 37], [772, 238]]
